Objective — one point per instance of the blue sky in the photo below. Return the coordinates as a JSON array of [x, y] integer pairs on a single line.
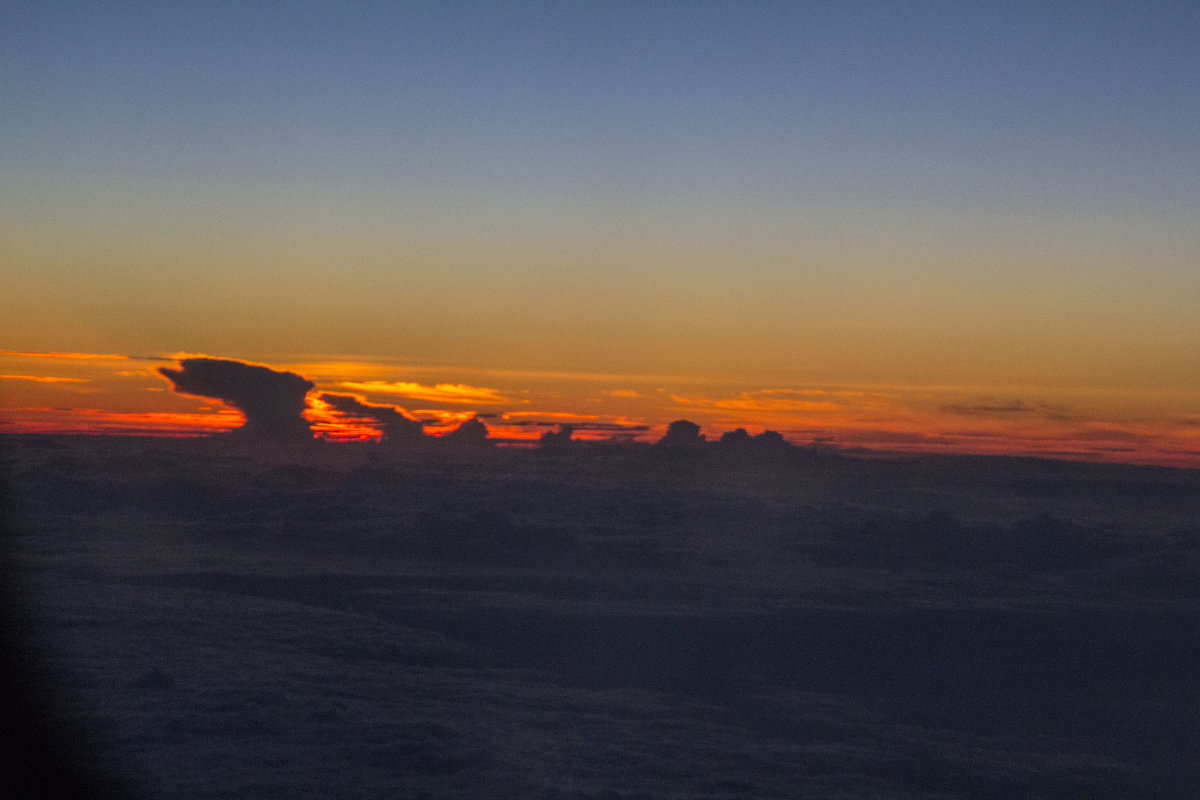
[[923, 193]]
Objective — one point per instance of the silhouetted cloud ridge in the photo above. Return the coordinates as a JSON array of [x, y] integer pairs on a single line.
[[470, 434], [395, 426]]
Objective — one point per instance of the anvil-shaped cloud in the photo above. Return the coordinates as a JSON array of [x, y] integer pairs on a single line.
[[272, 401]]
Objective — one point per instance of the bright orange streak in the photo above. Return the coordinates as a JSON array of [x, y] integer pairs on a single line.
[[769, 400], [98, 421], [446, 420], [329, 423], [181, 356], [515, 432], [73, 356], [222, 420], [442, 392], [43, 379], [548, 415]]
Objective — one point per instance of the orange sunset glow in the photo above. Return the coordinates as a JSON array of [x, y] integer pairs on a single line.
[[518, 408], [958, 230]]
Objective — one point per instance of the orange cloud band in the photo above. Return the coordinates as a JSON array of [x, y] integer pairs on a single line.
[[43, 379], [441, 393], [71, 356]]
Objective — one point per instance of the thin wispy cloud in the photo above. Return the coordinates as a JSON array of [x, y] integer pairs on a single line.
[[67, 356], [439, 393], [762, 400], [564, 415], [1013, 408], [336, 368], [43, 379]]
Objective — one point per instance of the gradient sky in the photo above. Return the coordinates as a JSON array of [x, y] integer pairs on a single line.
[[984, 216]]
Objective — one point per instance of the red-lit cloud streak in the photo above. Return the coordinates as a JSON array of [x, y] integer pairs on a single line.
[[329, 423], [66, 356], [105, 421], [440, 393]]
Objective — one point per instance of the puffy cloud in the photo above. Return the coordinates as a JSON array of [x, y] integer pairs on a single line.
[[441, 393], [273, 402], [766, 443], [557, 440], [735, 438], [470, 434], [682, 434], [396, 427]]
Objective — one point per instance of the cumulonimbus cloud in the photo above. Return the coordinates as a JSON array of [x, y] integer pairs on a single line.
[[273, 402]]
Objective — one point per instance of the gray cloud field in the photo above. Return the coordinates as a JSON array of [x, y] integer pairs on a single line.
[[209, 619]]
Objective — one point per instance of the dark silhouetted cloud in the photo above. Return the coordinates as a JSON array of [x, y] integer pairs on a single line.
[[396, 427], [1011, 408], [471, 433], [735, 438], [682, 434], [769, 445], [557, 440], [272, 401]]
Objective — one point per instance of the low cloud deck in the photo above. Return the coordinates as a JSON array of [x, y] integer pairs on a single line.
[[352, 620]]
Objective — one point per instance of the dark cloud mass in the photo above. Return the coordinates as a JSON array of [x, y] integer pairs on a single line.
[[738, 618], [272, 401], [470, 434], [557, 440], [396, 427], [682, 434]]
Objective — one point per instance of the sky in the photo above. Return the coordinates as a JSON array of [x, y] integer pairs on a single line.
[[931, 226]]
